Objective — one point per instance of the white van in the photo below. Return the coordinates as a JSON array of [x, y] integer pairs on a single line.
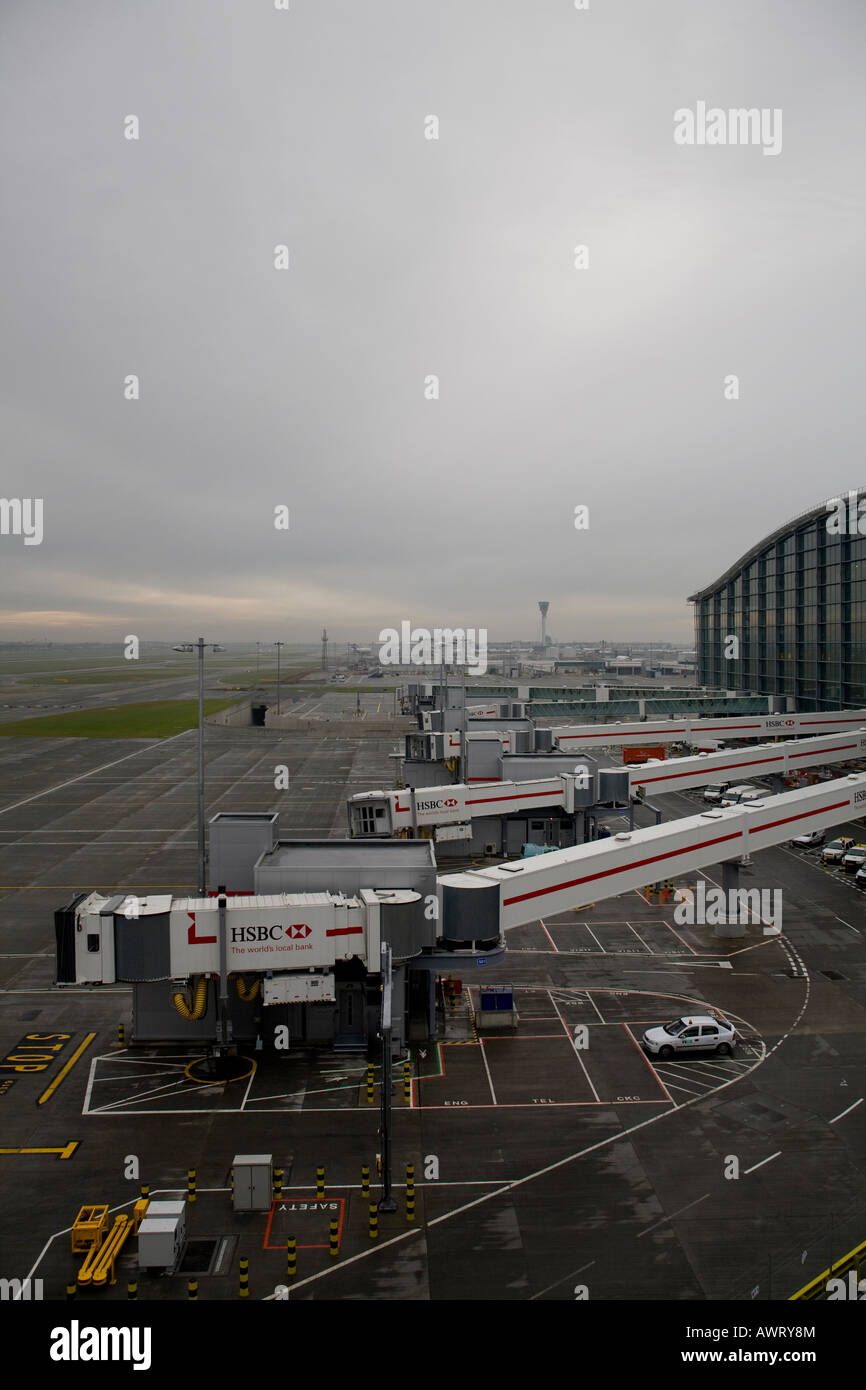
[[734, 796]]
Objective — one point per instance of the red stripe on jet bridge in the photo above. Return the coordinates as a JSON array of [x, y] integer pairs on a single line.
[[700, 728], [615, 738], [753, 762], [670, 854], [344, 931], [839, 748], [857, 720], [723, 767], [513, 796]]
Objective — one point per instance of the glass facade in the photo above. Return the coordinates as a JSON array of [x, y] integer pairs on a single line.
[[797, 604]]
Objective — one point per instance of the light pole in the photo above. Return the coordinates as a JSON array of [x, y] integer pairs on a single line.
[[278, 645], [199, 646]]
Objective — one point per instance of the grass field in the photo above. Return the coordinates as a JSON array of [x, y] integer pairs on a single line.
[[153, 719]]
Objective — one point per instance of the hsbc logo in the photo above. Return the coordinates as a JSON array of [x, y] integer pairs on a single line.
[[452, 801], [781, 723], [296, 932], [430, 805]]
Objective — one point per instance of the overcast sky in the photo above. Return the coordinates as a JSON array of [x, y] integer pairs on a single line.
[[410, 257]]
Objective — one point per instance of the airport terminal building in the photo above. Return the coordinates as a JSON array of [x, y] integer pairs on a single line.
[[797, 603]]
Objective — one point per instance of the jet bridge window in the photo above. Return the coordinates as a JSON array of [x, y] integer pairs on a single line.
[[93, 941], [369, 816]]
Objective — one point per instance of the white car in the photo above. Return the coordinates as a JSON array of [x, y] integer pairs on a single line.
[[715, 791], [697, 1033], [741, 796], [810, 840]]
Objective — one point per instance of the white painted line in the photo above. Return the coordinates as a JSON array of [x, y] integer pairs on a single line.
[[249, 1084], [848, 924], [646, 1059], [673, 1216], [157, 743], [669, 1085], [588, 994], [131, 1100], [843, 1113], [573, 1275], [647, 948], [762, 1162], [595, 938], [487, 1069], [576, 1050], [311, 1279], [85, 1109]]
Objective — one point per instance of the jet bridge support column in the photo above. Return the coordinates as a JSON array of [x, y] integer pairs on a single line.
[[730, 925]]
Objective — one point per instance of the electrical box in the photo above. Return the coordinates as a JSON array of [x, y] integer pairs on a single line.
[[254, 1182], [159, 1242], [167, 1211], [292, 987], [453, 832]]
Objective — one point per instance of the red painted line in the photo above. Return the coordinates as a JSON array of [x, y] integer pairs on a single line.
[[840, 748], [672, 854], [752, 762], [807, 723], [616, 738], [549, 937], [721, 728], [321, 1245], [621, 868], [649, 1064], [513, 796], [683, 940], [724, 767], [265, 1245], [344, 931]]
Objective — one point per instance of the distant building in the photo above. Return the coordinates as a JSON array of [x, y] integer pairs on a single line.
[[796, 602]]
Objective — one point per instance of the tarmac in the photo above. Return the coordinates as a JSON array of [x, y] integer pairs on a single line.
[[544, 1170]]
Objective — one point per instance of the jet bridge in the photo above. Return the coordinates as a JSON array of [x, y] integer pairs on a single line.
[[287, 954], [435, 809], [503, 896]]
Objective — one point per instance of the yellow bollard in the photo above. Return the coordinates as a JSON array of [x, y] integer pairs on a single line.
[[278, 1184], [374, 1221], [190, 1185], [244, 1277], [291, 1257], [132, 1289], [365, 1180], [320, 1184], [333, 1239], [121, 1036]]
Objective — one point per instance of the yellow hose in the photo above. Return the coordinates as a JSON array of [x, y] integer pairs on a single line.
[[191, 1013], [243, 992]]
